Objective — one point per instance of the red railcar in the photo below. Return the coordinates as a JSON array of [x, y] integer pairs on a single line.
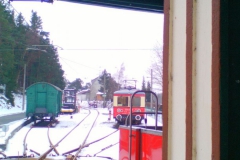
[[122, 102]]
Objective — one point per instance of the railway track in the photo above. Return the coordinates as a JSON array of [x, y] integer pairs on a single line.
[[85, 139], [52, 147], [83, 144], [85, 124], [42, 124]]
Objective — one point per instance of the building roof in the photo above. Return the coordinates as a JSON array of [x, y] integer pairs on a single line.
[[128, 91], [99, 93], [84, 91]]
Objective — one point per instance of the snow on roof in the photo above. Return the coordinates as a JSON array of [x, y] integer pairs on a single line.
[[99, 92], [84, 91], [127, 91], [57, 88]]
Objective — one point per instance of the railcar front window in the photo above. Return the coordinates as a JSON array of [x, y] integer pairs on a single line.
[[69, 93], [122, 101], [69, 100], [136, 101]]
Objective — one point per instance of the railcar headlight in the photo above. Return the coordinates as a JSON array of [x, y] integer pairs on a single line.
[[138, 117], [119, 117]]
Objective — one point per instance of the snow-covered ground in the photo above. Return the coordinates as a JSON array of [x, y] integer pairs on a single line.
[[102, 128], [6, 108], [37, 138]]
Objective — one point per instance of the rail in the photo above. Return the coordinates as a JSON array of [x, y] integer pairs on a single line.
[[25, 138], [44, 155], [88, 144], [84, 142], [51, 144]]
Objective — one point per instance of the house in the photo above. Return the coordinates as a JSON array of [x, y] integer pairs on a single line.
[[83, 95], [99, 96], [95, 86]]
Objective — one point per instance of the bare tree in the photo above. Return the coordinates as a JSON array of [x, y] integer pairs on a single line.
[[157, 68], [119, 75]]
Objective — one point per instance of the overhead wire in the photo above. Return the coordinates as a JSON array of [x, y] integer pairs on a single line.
[[79, 63], [77, 72], [70, 67]]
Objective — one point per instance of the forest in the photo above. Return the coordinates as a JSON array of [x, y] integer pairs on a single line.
[[23, 44]]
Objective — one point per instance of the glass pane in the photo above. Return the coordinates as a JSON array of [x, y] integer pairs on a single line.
[[122, 101], [136, 101]]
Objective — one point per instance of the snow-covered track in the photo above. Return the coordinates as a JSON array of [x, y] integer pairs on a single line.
[[88, 134], [88, 144], [84, 142], [43, 156], [49, 124]]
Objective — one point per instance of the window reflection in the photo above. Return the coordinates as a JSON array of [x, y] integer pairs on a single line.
[[122, 101], [69, 99]]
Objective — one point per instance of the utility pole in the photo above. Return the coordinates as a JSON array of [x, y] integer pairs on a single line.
[[24, 79], [24, 75], [104, 89], [151, 87]]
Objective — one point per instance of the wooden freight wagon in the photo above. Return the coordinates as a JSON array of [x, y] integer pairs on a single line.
[[44, 100]]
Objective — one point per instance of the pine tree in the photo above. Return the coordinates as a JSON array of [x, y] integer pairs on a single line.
[[109, 83], [20, 32], [76, 84], [148, 95], [7, 75], [43, 66], [143, 85], [36, 22], [15, 37]]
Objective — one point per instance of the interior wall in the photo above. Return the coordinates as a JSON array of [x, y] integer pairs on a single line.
[[203, 87], [177, 86], [178, 80]]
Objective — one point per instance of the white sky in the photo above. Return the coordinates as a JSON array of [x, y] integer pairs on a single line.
[[97, 38]]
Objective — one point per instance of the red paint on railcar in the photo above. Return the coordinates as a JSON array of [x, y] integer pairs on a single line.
[[146, 144], [122, 103], [125, 110], [124, 143], [151, 144]]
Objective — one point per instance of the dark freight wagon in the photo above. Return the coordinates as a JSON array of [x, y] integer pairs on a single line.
[[44, 100]]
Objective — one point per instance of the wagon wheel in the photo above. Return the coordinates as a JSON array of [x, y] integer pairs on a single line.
[[52, 118], [33, 119]]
